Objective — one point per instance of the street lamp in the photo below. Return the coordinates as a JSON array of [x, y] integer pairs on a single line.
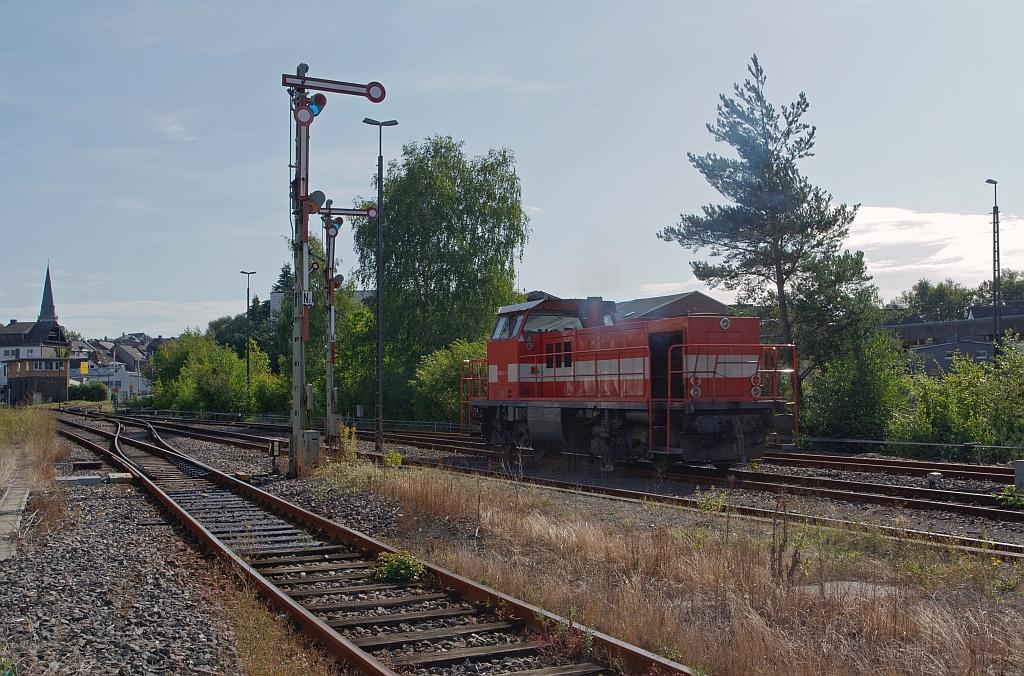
[[996, 291], [248, 325], [379, 403]]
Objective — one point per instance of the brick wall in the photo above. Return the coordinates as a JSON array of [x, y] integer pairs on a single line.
[[52, 388]]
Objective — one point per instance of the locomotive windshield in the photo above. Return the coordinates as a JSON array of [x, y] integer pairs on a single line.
[[507, 326], [552, 320]]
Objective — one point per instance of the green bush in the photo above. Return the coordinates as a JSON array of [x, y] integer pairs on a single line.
[[860, 394], [436, 384], [195, 373], [88, 392], [398, 567], [392, 458], [870, 392]]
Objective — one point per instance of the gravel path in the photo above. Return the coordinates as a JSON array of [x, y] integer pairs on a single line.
[[111, 590]]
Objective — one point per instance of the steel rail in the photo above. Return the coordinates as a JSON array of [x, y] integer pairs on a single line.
[[892, 465], [632, 658], [895, 501]]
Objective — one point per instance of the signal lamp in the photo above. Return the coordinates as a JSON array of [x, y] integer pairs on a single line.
[[755, 392], [695, 380], [755, 379], [695, 392], [316, 200], [316, 103], [339, 279]]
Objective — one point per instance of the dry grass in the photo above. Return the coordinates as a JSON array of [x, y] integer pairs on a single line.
[[28, 437], [266, 644], [720, 594]]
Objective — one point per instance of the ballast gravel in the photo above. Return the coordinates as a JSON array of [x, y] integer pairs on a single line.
[[112, 590]]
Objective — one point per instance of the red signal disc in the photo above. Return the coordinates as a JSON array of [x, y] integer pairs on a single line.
[[375, 92]]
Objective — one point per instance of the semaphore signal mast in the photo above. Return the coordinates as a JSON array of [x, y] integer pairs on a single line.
[[304, 442]]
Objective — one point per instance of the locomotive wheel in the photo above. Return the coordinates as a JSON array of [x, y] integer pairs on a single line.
[[526, 443], [661, 462], [502, 442]]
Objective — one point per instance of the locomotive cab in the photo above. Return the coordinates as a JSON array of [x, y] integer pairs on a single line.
[[565, 377]]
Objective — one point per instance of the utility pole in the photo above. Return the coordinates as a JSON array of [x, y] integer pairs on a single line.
[[248, 326], [378, 437], [304, 109], [997, 294]]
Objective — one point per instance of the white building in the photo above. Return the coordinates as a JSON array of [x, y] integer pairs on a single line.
[[122, 383]]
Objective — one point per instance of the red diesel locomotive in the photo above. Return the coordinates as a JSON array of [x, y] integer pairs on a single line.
[[565, 376]]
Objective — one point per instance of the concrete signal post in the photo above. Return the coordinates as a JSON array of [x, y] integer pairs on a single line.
[[304, 443]]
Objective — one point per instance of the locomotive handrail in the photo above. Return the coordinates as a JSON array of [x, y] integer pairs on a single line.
[[470, 381], [768, 358]]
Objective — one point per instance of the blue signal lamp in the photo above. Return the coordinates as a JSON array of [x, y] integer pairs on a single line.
[[317, 103]]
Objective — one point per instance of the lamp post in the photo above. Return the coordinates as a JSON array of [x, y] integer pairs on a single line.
[[248, 325], [996, 291], [379, 403]]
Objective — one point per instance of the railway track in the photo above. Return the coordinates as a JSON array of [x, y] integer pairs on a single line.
[[323, 576], [968, 503], [795, 485], [948, 470]]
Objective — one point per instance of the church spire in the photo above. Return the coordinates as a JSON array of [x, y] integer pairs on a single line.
[[47, 312]]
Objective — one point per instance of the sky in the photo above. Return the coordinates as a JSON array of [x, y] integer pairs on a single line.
[[144, 145]]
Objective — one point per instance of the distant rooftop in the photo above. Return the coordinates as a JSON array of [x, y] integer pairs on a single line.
[[675, 305]]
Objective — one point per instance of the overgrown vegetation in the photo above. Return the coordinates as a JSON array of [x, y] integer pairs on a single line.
[[436, 384], [1010, 498], [875, 391], [717, 593], [28, 439], [196, 373]]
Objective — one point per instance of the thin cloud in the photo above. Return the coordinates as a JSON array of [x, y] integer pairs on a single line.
[[170, 127], [665, 288], [533, 210], [902, 246], [477, 81]]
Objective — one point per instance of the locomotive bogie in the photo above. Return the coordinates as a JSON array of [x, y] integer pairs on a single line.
[[609, 434]]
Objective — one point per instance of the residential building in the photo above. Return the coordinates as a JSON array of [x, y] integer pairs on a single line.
[[155, 345], [122, 382], [937, 358], [130, 356]]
